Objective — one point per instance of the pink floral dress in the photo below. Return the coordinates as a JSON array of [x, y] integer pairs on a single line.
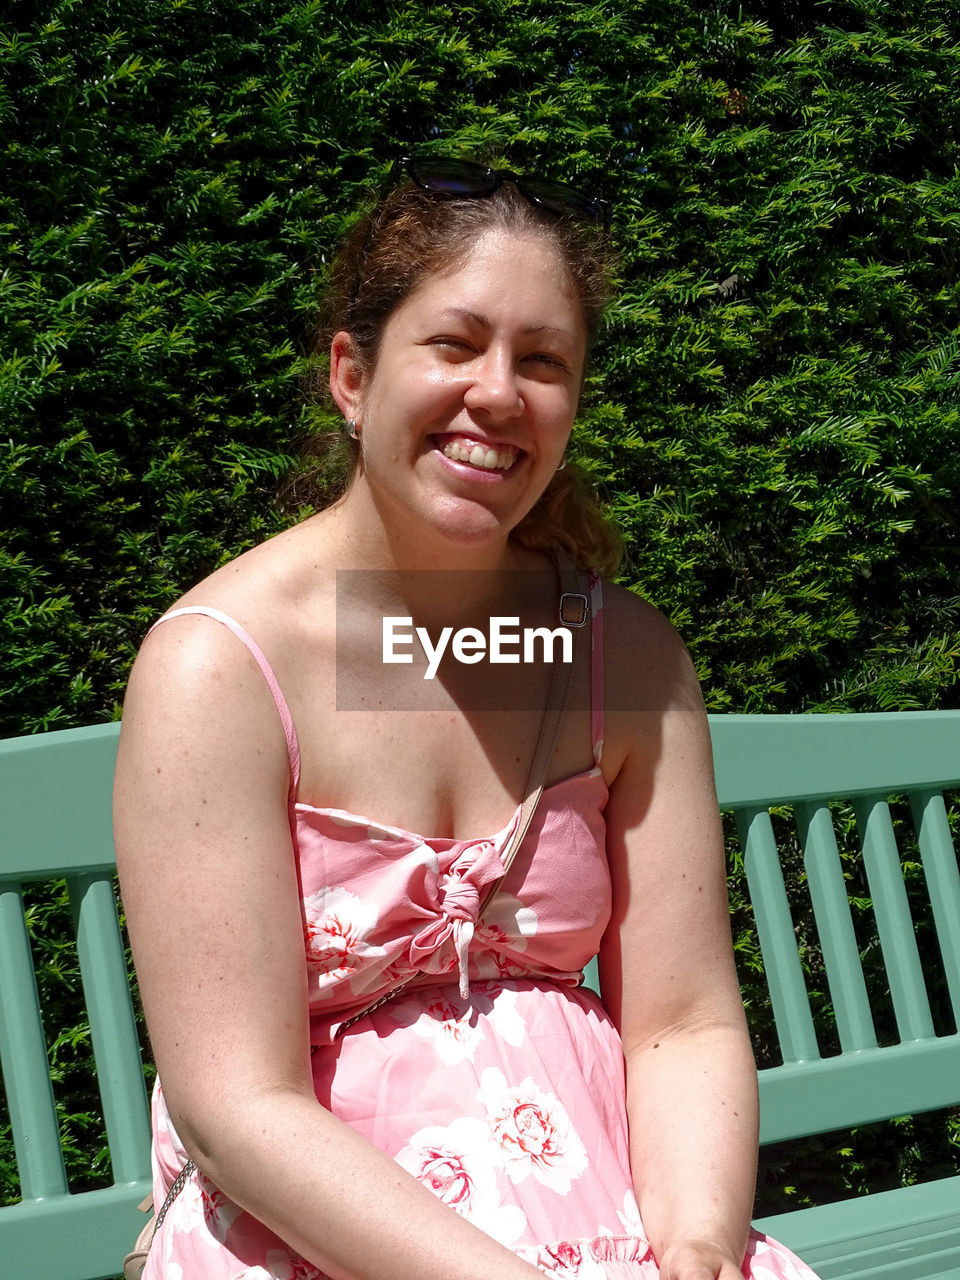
[[494, 1078]]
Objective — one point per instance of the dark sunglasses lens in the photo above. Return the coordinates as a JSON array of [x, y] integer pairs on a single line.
[[452, 177], [561, 199]]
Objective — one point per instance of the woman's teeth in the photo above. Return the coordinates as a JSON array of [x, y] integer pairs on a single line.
[[478, 456]]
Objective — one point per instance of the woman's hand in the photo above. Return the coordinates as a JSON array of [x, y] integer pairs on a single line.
[[698, 1260]]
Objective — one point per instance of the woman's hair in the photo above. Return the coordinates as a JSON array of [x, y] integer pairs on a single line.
[[387, 255]]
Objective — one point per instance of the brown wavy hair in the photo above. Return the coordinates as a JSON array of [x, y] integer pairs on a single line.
[[386, 256]]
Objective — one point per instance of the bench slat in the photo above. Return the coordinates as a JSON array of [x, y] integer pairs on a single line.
[[765, 760], [942, 870], [912, 1233], [77, 1237], [895, 927], [51, 786], [838, 942], [112, 1025], [788, 993], [23, 1055], [799, 1099]]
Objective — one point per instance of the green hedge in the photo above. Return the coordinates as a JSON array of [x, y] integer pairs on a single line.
[[782, 450], [774, 414]]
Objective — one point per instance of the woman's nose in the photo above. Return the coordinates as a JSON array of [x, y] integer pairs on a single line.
[[495, 386]]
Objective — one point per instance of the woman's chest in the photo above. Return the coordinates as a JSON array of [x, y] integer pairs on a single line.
[[375, 895], [451, 761]]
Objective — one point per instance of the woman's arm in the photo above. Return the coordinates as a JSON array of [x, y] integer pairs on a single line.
[[667, 970], [212, 901]]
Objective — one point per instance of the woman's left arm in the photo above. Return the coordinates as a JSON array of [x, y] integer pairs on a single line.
[[667, 969]]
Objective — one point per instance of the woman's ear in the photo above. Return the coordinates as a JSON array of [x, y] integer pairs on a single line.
[[346, 375]]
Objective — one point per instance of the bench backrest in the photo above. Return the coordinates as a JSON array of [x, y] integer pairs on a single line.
[[805, 762], [55, 819]]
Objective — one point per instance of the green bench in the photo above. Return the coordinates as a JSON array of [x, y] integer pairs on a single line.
[[55, 807]]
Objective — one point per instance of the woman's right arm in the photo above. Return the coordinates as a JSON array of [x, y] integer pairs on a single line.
[[211, 895]]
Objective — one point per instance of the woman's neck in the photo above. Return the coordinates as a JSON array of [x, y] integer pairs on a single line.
[[421, 574], [360, 538]]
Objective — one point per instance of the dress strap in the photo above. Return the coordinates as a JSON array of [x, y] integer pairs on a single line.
[[596, 664], [286, 719]]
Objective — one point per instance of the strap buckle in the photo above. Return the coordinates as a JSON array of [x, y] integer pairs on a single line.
[[574, 609]]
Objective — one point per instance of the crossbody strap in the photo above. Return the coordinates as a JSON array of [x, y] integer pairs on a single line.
[[574, 613]]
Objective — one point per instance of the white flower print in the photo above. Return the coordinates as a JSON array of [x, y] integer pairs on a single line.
[[630, 1217], [533, 1132], [456, 1026], [765, 1263], [284, 1266], [376, 833], [569, 1259], [458, 1163], [450, 1023], [493, 966], [380, 835], [205, 1205], [280, 1265], [164, 1125], [507, 922], [336, 930], [500, 1006]]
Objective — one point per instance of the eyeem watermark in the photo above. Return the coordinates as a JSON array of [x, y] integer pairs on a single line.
[[506, 642], [477, 640]]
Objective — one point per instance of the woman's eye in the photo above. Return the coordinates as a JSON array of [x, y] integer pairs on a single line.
[[450, 343], [545, 358]]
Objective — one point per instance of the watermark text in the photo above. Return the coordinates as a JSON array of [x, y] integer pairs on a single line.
[[506, 643]]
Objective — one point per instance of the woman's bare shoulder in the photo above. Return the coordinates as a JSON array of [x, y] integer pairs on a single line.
[[648, 664], [263, 589], [265, 577], [187, 665]]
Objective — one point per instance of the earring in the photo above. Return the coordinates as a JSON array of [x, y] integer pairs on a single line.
[[563, 463], [353, 430]]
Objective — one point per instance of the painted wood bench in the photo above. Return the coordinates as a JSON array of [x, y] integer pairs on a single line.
[[55, 822]]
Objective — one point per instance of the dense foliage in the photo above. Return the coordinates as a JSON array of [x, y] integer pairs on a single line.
[[774, 416]]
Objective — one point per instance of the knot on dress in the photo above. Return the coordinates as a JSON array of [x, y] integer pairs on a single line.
[[460, 891]]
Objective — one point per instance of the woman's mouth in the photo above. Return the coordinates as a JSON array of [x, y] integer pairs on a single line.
[[479, 454]]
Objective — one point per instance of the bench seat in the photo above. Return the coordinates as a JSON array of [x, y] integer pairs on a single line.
[[911, 1233], [80, 1236]]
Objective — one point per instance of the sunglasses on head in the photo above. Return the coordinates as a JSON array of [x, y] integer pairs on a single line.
[[464, 179]]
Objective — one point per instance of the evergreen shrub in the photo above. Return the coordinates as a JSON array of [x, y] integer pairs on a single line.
[[773, 416]]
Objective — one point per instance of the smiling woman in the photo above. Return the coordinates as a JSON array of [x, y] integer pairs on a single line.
[[414, 235], [481, 361], [377, 1058]]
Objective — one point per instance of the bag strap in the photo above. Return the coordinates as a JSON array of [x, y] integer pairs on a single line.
[[136, 1260], [574, 612], [176, 1187]]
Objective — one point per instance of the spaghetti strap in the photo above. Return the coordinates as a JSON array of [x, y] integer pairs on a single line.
[[596, 665], [286, 719]]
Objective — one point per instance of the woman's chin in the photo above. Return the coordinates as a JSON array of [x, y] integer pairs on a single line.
[[471, 525]]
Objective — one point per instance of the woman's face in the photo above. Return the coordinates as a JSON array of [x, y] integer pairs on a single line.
[[466, 413]]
